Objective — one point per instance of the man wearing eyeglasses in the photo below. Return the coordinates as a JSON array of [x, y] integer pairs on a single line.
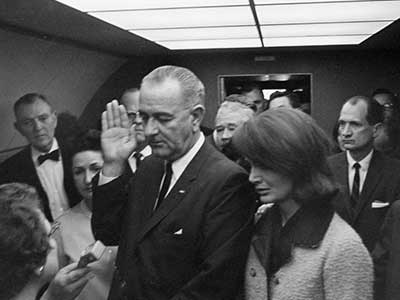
[[42, 163], [130, 99]]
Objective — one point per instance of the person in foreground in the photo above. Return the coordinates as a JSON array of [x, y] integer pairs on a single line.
[[27, 251], [184, 227], [301, 248], [75, 232]]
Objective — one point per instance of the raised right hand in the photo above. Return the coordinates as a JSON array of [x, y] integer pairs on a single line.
[[118, 139]]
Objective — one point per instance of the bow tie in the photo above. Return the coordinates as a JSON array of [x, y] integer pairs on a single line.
[[53, 155]]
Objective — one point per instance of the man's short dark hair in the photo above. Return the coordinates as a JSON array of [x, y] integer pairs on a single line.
[[248, 87], [29, 99], [374, 109], [129, 90], [382, 91], [294, 99]]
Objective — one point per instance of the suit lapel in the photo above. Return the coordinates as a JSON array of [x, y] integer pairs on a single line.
[[177, 193], [148, 191], [32, 178], [373, 176], [341, 172], [30, 170]]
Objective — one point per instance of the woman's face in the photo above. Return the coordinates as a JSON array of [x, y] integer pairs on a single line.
[[272, 187], [85, 166]]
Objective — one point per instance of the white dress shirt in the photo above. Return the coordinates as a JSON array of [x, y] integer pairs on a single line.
[[146, 151], [178, 166], [51, 176], [364, 163]]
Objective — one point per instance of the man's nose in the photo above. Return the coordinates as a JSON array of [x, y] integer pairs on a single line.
[[227, 134], [150, 127], [37, 125], [138, 119], [346, 131]]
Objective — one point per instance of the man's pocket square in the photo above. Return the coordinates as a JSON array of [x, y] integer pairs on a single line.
[[379, 204], [179, 232]]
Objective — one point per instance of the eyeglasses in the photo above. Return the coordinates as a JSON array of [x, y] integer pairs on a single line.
[[133, 116], [54, 228], [387, 105]]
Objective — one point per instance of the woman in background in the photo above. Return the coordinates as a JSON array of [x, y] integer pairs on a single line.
[[301, 248], [27, 251], [75, 229]]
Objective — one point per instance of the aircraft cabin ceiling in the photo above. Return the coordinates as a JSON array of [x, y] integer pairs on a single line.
[[133, 27]]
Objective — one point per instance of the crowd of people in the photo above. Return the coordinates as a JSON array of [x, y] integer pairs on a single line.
[[266, 206]]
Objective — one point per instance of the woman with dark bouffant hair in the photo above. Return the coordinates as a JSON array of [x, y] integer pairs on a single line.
[[75, 233], [26, 248], [301, 248]]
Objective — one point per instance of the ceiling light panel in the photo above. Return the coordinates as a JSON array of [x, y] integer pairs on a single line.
[[107, 5], [199, 33], [257, 2], [212, 44], [178, 18], [314, 41], [328, 12], [361, 28]]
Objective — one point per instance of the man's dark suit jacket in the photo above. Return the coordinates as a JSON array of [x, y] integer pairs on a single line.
[[194, 245], [20, 168], [386, 257], [381, 185]]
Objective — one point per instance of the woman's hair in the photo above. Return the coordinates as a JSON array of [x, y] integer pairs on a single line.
[[87, 141], [24, 241], [290, 143]]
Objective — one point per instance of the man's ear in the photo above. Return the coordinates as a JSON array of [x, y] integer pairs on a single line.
[[55, 118], [198, 115], [377, 129], [16, 126]]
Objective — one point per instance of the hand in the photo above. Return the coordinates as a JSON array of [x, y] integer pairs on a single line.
[[68, 283], [118, 139]]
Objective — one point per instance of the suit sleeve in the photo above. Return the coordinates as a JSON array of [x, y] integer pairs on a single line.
[[226, 239], [381, 253], [109, 201]]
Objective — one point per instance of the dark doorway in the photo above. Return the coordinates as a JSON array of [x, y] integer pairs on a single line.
[[269, 83]]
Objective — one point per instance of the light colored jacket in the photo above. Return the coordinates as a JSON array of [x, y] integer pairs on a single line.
[[339, 269]]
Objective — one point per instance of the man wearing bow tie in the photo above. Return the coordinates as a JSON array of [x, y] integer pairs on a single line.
[[42, 163]]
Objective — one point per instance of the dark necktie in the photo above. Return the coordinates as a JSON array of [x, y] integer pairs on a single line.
[[165, 185], [53, 155], [138, 157], [355, 191]]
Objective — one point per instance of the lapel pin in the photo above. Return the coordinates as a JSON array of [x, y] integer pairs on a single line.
[[181, 191]]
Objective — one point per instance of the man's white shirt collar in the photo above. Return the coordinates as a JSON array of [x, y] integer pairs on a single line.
[[36, 153], [146, 151], [364, 163], [179, 165]]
